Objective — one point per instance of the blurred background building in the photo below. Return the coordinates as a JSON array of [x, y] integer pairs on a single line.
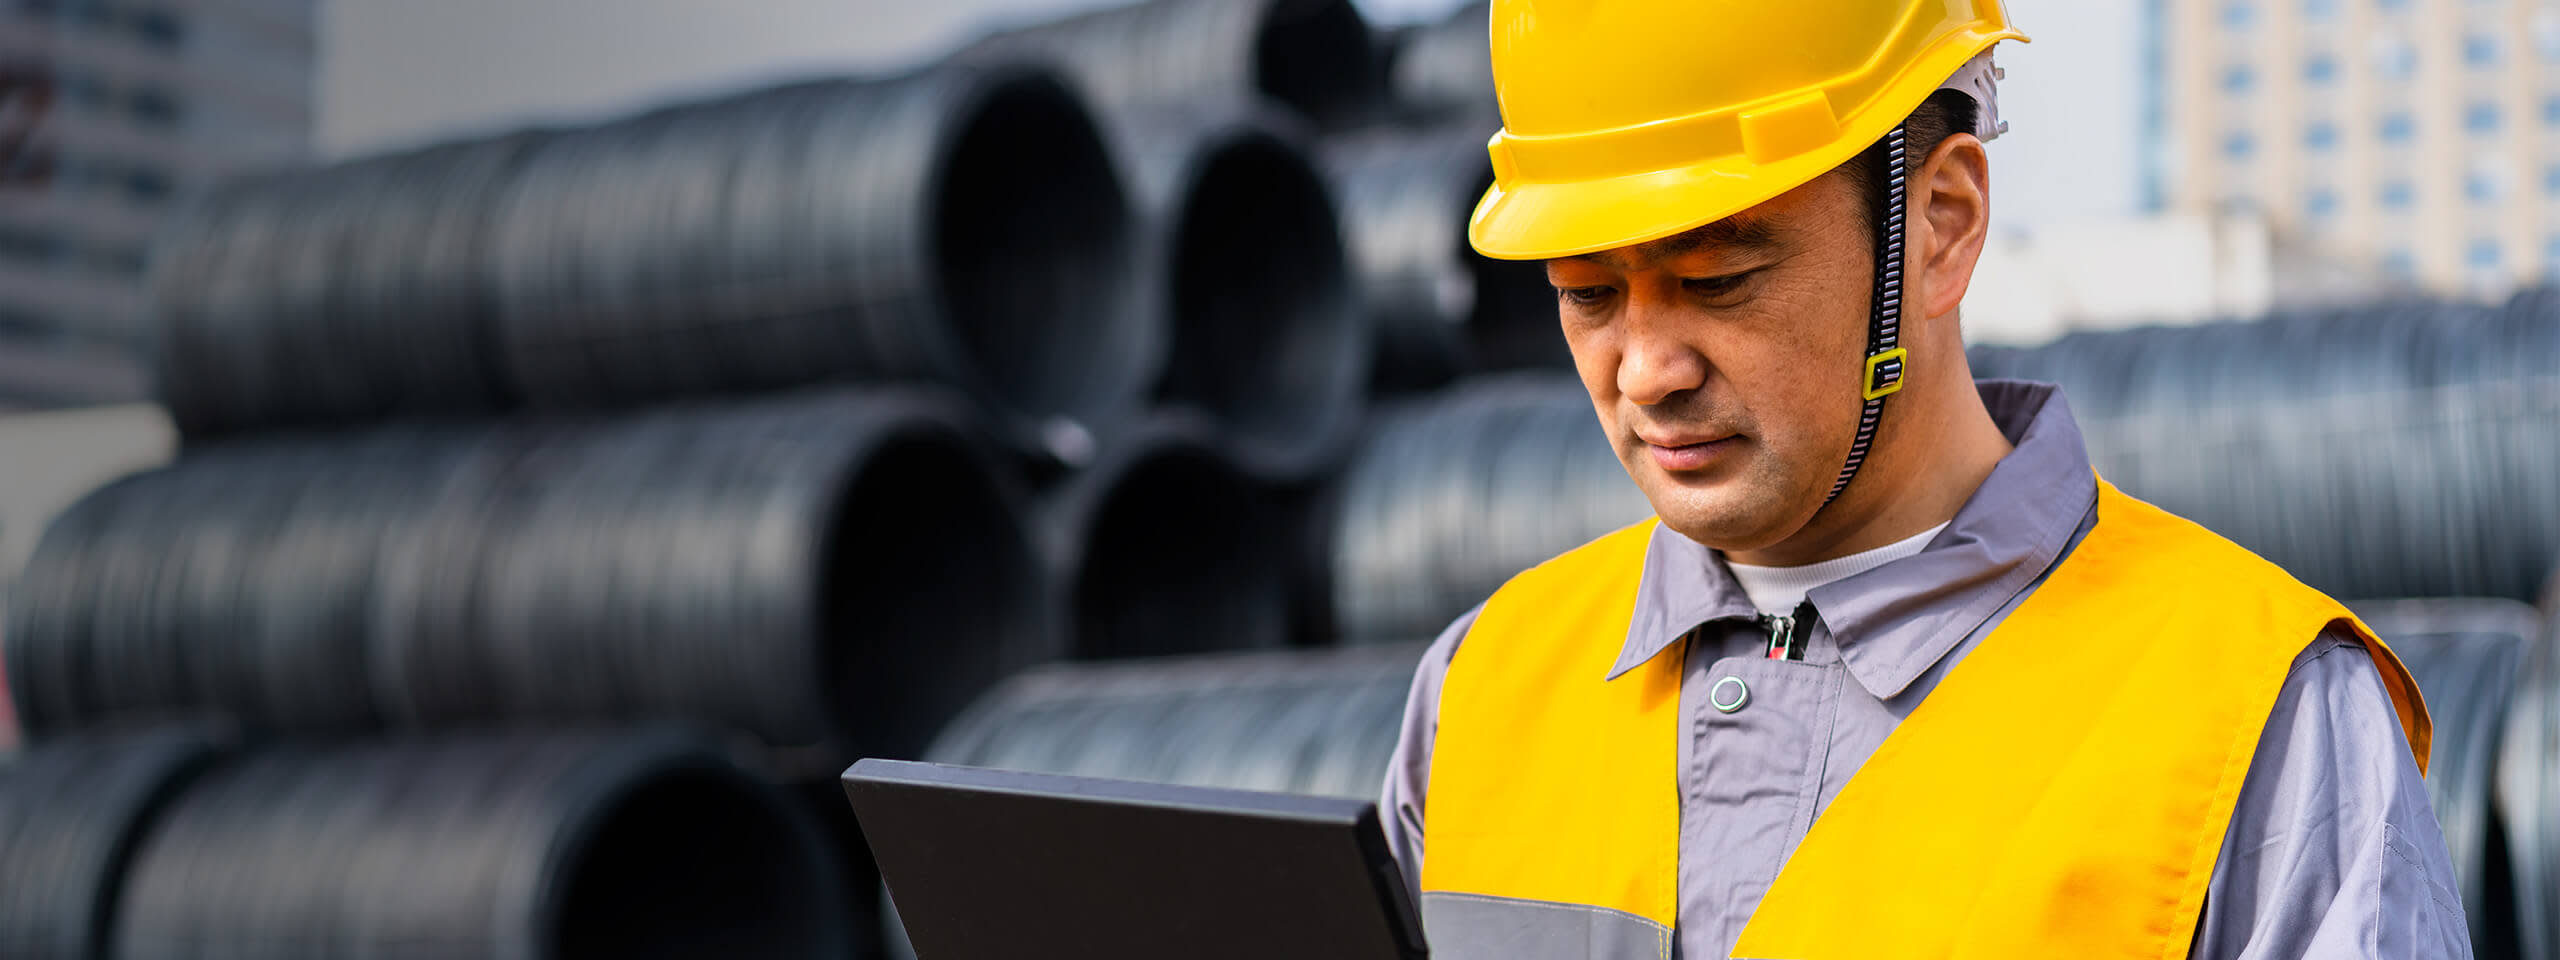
[[2414, 136], [110, 112]]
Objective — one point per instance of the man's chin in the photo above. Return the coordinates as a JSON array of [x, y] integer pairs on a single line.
[[1722, 526]]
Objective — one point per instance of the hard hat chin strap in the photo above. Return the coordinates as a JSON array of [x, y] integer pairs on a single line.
[[1882, 372]]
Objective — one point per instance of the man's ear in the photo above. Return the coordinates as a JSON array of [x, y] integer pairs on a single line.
[[1950, 198]]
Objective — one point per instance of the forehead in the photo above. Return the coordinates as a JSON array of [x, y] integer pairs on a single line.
[[1746, 231]]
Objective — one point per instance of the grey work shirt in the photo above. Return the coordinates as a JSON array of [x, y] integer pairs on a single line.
[[2332, 850]]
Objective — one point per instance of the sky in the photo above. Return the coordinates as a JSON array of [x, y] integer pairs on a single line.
[[400, 72]]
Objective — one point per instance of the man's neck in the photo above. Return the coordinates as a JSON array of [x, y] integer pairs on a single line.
[[1928, 460]]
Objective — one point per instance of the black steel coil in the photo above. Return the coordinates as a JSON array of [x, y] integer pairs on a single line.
[[1315, 721], [1437, 307], [1444, 68], [1169, 544], [1312, 55], [557, 845], [2272, 433], [1451, 495], [235, 585], [840, 570], [2468, 657], [961, 225], [1250, 281], [351, 293], [71, 815], [2528, 798]]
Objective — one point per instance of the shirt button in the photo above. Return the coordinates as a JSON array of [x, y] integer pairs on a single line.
[[1729, 695]]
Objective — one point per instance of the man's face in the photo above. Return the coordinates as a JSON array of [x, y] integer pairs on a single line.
[[1724, 361]]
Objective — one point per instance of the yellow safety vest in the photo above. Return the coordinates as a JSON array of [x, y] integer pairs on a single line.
[[2063, 792]]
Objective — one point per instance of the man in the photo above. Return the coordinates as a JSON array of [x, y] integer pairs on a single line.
[[1892, 674]]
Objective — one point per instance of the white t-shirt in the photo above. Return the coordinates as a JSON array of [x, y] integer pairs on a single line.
[[1778, 591]]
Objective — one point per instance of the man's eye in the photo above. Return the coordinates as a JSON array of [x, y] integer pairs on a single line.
[[1717, 286], [1582, 296]]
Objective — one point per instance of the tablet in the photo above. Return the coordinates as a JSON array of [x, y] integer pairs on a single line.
[[1000, 865]]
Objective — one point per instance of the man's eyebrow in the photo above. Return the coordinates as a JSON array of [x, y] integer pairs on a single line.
[[1730, 233]]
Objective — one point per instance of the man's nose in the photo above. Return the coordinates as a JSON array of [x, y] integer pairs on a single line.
[[1657, 363]]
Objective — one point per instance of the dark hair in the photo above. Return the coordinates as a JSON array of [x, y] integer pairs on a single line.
[[1945, 113]]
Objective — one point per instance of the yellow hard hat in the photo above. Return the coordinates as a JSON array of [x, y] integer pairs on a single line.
[[1626, 121]]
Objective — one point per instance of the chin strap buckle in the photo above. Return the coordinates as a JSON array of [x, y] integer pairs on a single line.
[[1884, 373]]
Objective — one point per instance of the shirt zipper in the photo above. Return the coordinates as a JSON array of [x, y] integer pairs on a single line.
[[1784, 644]]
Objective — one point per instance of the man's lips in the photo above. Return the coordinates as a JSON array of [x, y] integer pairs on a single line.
[[1686, 453]]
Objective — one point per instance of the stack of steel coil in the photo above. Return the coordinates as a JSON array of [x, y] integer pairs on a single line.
[[2528, 796], [1438, 308], [1444, 68], [1451, 495], [1320, 722], [527, 846], [1169, 544], [1248, 277], [843, 568], [71, 815], [2392, 450], [957, 225], [1311, 55]]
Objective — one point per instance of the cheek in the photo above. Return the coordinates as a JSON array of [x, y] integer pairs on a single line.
[[1799, 377]]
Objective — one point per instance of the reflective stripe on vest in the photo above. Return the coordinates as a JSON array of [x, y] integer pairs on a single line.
[[2062, 792]]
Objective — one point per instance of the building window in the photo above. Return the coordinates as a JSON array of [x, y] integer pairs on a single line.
[[2551, 250], [2551, 180], [2239, 79], [2483, 252], [2239, 14], [2239, 146], [2480, 50], [2319, 9], [2398, 126], [2480, 117], [2483, 186], [2400, 263], [2393, 57], [2320, 136], [2320, 204], [2398, 195], [2320, 69]]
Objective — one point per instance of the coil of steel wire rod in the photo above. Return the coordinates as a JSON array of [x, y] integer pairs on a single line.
[[840, 569], [2468, 657], [557, 845], [1312, 55], [1445, 69], [71, 814], [957, 225], [351, 293], [235, 585], [1250, 280], [1169, 544], [2265, 432], [1437, 308], [962, 225], [2528, 797], [1314, 721], [1451, 495]]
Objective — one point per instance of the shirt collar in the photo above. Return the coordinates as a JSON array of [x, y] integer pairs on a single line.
[[1892, 622]]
